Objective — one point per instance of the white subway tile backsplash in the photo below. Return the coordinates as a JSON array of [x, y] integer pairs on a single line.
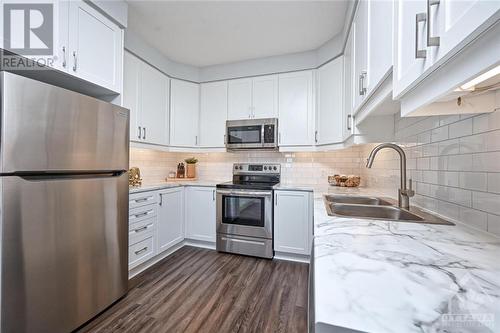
[[460, 162], [473, 180], [475, 218], [488, 202], [461, 128], [493, 182], [439, 134], [487, 162], [494, 224]]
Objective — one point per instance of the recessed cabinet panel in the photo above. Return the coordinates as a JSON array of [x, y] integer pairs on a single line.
[[330, 103], [95, 46], [292, 222], [154, 105], [200, 213], [184, 113], [360, 30], [239, 99], [348, 125], [265, 97], [170, 229], [132, 67], [296, 109], [213, 113]]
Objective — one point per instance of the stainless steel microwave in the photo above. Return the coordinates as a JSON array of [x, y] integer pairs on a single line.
[[252, 134]]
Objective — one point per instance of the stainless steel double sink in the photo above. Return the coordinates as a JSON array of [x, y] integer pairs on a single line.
[[367, 207]]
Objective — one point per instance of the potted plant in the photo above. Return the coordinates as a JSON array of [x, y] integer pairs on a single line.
[[191, 167]]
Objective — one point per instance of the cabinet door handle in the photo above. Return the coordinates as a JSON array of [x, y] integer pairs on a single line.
[[316, 136], [349, 119], [161, 199], [431, 41], [279, 137], [361, 83], [64, 56], [75, 61], [144, 134], [276, 199], [419, 54], [196, 140], [213, 195], [139, 136]]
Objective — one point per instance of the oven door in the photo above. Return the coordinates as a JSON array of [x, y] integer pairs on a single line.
[[245, 213]]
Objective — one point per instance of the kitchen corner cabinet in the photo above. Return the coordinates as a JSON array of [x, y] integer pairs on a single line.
[[170, 226], [184, 113], [213, 114], [200, 213], [255, 97], [296, 109], [293, 216], [145, 93], [330, 116]]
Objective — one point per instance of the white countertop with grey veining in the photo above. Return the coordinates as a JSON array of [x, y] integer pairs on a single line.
[[381, 276], [163, 185]]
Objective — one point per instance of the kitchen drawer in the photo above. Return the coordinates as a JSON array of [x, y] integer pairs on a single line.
[[142, 213], [141, 230], [142, 199], [141, 251]]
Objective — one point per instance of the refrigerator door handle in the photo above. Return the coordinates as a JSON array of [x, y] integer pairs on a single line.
[[37, 176]]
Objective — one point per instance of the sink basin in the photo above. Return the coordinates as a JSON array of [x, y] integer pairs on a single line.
[[374, 212], [366, 207], [357, 200]]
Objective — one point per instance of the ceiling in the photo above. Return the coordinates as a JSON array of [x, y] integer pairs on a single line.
[[204, 33]]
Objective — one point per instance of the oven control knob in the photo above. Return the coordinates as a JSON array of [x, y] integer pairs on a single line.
[[236, 167], [241, 168], [275, 168], [265, 168]]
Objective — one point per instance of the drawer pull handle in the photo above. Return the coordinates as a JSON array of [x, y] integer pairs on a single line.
[[142, 199], [141, 229], [142, 214], [141, 250]]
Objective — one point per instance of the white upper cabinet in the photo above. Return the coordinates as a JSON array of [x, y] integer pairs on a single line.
[[154, 105], [213, 113], [95, 46], [265, 96], [451, 21], [200, 213], [380, 21], [170, 225], [131, 83], [239, 99], [348, 88], [360, 32], [253, 97], [411, 58], [296, 109], [429, 33], [184, 113], [330, 121], [145, 93]]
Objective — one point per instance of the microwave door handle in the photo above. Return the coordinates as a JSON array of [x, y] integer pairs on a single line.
[[262, 141]]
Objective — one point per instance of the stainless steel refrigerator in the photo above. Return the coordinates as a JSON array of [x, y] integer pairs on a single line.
[[64, 206]]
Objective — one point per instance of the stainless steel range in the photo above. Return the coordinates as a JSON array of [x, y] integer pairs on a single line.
[[245, 210]]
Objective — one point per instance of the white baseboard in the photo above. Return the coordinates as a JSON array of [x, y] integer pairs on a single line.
[[292, 257], [198, 243]]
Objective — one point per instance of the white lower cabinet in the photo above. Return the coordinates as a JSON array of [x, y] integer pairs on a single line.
[[142, 227], [200, 213], [170, 226], [293, 216]]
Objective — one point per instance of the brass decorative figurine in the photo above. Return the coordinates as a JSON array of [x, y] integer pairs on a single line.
[[134, 177]]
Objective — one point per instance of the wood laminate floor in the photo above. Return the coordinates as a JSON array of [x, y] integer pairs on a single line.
[[198, 290]]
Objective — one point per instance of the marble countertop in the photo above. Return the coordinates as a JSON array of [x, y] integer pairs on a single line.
[[162, 185], [382, 276]]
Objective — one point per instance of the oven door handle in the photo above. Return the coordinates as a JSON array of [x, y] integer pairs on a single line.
[[246, 193]]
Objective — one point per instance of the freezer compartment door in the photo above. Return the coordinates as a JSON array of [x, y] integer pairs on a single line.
[[64, 251], [47, 128]]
